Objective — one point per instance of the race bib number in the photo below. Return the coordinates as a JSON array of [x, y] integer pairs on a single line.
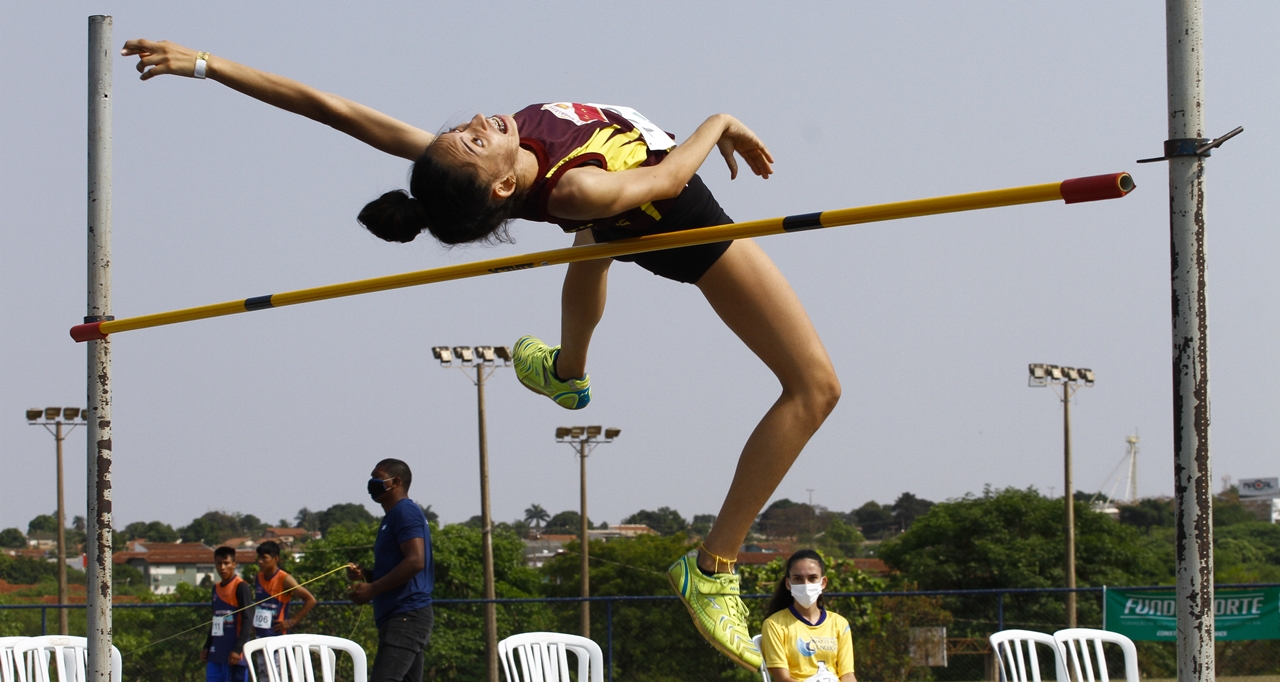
[[654, 137], [217, 625], [262, 618]]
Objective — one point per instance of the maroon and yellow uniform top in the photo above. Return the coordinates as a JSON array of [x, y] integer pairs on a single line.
[[566, 135]]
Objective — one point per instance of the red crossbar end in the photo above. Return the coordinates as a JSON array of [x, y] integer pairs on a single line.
[[1097, 187], [88, 332]]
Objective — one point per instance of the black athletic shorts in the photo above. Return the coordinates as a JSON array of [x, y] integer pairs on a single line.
[[695, 207]]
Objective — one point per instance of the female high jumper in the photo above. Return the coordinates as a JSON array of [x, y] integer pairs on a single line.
[[603, 173]]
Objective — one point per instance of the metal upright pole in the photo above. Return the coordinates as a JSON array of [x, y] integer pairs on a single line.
[[585, 540], [62, 538], [1069, 520], [486, 532], [99, 352], [1192, 476]]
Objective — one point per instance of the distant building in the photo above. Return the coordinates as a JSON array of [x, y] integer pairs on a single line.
[[539, 548], [165, 564], [288, 536]]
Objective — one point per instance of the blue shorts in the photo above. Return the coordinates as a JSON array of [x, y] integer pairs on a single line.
[[223, 672]]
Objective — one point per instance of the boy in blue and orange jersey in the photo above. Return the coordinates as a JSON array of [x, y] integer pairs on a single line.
[[273, 590], [223, 652]]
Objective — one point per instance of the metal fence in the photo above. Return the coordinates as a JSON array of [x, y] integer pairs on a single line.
[[650, 638]]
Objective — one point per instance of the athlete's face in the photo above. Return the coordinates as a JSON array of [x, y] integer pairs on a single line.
[[268, 563], [488, 144], [806, 571], [226, 567]]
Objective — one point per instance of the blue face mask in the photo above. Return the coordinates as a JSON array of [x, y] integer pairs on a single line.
[[377, 487]]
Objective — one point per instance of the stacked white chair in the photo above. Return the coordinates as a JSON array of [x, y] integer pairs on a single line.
[[33, 656], [541, 657], [289, 658], [1092, 666], [764, 671], [1018, 659], [8, 672]]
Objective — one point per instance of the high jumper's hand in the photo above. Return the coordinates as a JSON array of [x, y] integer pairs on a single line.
[[739, 138], [158, 58]]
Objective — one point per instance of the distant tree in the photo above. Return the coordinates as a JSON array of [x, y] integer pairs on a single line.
[[907, 508], [344, 514], [787, 519], [1145, 514], [12, 538], [1227, 510], [282, 523], [45, 525], [1014, 538], [212, 528], [1247, 553], [839, 539], [875, 521], [308, 519], [77, 523], [474, 522], [154, 531], [251, 525], [701, 524], [566, 523], [432, 517], [536, 515], [666, 521]]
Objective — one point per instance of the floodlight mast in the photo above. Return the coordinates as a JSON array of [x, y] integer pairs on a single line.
[[57, 416], [486, 360], [1040, 375], [585, 439]]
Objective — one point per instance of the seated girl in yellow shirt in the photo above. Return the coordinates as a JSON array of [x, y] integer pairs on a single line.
[[802, 641]]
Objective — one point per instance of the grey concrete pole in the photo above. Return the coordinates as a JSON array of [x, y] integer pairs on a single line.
[[99, 352], [1069, 520], [1192, 475], [486, 523], [62, 537]]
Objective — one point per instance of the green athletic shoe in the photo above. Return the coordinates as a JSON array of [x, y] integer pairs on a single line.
[[717, 611], [535, 367]]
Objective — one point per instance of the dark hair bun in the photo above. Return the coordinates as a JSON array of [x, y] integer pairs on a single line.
[[394, 217]]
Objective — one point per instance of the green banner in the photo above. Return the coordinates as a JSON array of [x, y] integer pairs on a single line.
[[1148, 615]]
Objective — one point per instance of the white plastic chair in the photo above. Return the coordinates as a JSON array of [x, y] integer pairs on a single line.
[[289, 657], [764, 671], [258, 646], [69, 657], [8, 670], [1017, 659], [1074, 643], [542, 657]]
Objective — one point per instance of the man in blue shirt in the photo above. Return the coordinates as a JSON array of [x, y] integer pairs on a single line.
[[400, 582]]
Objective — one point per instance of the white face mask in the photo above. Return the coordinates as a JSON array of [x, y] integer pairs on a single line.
[[806, 594]]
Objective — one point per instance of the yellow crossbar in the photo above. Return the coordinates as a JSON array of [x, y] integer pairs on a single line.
[[1092, 188]]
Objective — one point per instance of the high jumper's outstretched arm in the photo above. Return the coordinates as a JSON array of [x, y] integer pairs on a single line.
[[366, 124]]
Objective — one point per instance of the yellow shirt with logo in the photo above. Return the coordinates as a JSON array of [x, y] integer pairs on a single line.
[[790, 642]]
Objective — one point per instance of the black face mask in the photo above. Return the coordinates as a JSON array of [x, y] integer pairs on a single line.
[[377, 488]]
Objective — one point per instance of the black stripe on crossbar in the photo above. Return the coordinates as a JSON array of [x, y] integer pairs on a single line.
[[258, 303], [798, 223]]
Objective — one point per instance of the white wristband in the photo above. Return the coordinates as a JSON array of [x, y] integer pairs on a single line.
[[202, 64]]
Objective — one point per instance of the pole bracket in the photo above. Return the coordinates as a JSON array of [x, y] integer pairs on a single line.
[[89, 319], [1192, 146]]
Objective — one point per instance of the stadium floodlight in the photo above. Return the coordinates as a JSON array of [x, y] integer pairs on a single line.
[[611, 433], [1067, 377], [464, 354], [504, 354], [51, 413], [594, 431], [562, 432], [485, 354], [443, 354], [70, 413], [34, 414], [576, 431]]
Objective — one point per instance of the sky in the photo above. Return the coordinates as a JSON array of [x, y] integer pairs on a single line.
[[930, 322]]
